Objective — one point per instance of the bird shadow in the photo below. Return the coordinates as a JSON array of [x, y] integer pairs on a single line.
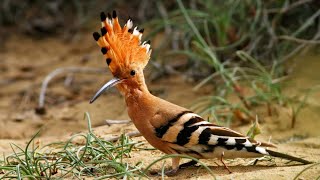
[[221, 170]]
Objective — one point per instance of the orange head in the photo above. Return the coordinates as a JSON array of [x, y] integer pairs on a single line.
[[125, 55]]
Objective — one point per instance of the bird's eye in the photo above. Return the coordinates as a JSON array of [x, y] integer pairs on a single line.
[[132, 72]]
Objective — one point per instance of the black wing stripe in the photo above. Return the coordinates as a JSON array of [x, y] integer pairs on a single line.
[[204, 137], [240, 141], [185, 134], [160, 131], [251, 149], [192, 121]]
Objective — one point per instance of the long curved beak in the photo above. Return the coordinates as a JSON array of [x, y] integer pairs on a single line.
[[108, 85]]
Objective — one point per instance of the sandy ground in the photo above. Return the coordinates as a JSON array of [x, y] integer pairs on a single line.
[[25, 62]]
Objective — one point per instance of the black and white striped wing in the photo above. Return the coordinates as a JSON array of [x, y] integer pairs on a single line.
[[189, 134]]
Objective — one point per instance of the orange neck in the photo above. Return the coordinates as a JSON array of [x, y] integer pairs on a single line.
[[134, 88], [134, 93], [137, 97], [140, 104]]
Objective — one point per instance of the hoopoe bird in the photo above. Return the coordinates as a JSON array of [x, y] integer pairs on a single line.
[[168, 127]]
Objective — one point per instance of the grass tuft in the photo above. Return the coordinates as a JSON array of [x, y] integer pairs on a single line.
[[95, 158], [82, 155]]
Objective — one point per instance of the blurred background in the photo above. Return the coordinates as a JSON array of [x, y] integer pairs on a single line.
[[238, 63]]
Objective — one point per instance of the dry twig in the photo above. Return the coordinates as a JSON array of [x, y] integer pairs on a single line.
[[40, 109], [110, 122]]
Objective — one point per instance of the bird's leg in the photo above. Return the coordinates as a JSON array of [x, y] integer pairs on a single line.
[[225, 166], [188, 164], [175, 167]]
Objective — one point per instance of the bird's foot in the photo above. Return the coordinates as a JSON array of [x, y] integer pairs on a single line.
[[188, 164], [225, 166], [173, 172], [169, 173]]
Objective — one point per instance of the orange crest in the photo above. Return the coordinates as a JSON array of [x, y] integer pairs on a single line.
[[121, 46]]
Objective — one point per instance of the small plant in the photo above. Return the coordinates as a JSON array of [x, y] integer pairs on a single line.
[[96, 158], [254, 129], [265, 83], [296, 105]]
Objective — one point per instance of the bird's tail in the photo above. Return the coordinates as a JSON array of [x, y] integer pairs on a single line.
[[288, 157]]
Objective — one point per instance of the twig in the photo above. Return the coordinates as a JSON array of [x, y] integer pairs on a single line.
[[40, 108], [280, 79], [110, 122], [298, 40], [315, 37], [293, 52], [294, 5], [288, 8], [270, 28], [130, 134], [300, 47], [308, 22]]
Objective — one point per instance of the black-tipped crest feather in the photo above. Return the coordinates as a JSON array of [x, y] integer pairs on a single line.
[[96, 36], [102, 16], [104, 50], [103, 31], [108, 61], [114, 14]]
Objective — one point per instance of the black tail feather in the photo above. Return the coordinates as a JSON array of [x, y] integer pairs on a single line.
[[288, 157]]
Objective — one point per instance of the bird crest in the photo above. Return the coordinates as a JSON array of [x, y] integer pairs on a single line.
[[121, 46]]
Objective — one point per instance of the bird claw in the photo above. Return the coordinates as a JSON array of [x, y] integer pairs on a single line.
[[169, 173], [225, 166], [174, 172]]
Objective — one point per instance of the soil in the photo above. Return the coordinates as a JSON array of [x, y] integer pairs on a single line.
[[25, 62]]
